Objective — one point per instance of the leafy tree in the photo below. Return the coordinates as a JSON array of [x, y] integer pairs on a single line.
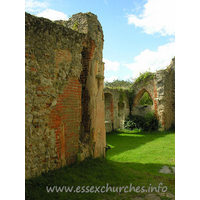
[[119, 83], [144, 76], [146, 99]]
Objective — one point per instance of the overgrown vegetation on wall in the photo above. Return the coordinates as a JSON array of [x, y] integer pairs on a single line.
[[144, 76], [131, 95], [121, 95], [118, 83]]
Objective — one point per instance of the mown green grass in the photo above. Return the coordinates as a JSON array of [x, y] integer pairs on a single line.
[[134, 158], [142, 147]]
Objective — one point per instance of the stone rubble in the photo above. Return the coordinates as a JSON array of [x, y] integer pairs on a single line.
[[167, 170], [158, 196]]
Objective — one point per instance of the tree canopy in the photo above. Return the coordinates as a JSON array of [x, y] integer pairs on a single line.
[[146, 99], [119, 83]]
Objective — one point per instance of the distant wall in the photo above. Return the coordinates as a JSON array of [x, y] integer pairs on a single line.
[[64, 92], [161, 88], [116, 108], [166, 95], [108, 103]]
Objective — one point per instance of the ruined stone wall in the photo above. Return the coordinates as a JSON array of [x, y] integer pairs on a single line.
[[116, 108], [64, 84], [161, 88], [93, 87], [108, 103], [142, 110], [166, 95]]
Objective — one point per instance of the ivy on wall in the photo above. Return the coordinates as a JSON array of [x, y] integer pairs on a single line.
[[144, 76], [131, 96]]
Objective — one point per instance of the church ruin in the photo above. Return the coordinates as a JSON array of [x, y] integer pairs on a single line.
[[67, 109], [161, 88]]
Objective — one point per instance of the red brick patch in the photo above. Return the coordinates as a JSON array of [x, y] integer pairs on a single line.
[[66, 116]]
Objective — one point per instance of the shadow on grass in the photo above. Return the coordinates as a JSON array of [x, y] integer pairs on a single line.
[[100, 172], [97, 172]]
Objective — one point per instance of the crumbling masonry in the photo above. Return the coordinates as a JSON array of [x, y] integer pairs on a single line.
[[65, 102], [161, 88], [64, 92]]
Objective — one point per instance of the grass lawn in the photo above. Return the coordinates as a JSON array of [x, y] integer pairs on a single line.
[[142, 147], [134, 158]]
